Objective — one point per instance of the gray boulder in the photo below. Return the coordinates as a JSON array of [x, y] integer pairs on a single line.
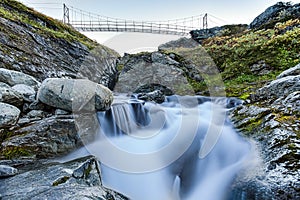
[[9, 95], [78, 179], [156, 96], [9, 115], [144, 71], [75, 95], [6, 171], [14, 77], [28, 92]]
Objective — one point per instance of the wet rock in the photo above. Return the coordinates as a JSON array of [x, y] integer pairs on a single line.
[[57, 181], [75, 95], [35, 114], [12, 78], [156, 96], [9, 115], [28, 92], [6, 171], [10, 96]]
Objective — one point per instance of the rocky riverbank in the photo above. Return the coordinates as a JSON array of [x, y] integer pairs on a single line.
[[41, 101]]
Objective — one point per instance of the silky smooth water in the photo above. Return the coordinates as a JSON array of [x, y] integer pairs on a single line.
[[185, 148]]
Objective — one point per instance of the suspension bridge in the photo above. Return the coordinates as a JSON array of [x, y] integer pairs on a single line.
[[86, 21]]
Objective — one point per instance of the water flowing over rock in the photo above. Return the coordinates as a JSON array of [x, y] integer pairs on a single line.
[[75, 95], [8, 115], [78, 179]]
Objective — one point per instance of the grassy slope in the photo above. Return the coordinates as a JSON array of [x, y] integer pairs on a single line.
[[44, 25], [278, 47]]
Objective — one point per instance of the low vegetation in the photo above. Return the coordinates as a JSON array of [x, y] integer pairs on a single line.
[[16, 11]]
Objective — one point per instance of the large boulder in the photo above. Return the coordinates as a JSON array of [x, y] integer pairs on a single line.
[[9, 115], [77, 179], [12, 78], [27, 92], [144, 71], [10, 96], [180, 43], [75, 95]]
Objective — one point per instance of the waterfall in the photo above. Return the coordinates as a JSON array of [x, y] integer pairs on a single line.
[[182, 149]]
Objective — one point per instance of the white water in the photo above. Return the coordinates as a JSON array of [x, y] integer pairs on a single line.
[[182, 149]]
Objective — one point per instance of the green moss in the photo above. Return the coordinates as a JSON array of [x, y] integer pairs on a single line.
[[60, 181], [15, 152], [15, 11]]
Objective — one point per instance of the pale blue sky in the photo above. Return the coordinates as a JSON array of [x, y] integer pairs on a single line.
[[231, 11]]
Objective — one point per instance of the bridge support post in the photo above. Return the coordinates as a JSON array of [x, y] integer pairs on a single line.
[[66, 17], [205, 24]]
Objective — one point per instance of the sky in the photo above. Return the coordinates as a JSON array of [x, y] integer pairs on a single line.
[[222, 12]]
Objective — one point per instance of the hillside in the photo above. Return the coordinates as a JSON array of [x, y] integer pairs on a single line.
[[44, 47]]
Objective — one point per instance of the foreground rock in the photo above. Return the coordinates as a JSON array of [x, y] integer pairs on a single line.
[[78, 179], [180, 43], [75, 95], [9, 115], [10, 95], [273, 120]]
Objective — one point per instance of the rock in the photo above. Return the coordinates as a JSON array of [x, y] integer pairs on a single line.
[[180, 43], [42, 56], [27, 92], [156, 96], [35, 114], [75, 95], [279, 88], [43, 139], [61, 112], [12, 78], [276, 13], [77, 179], [9, 115], [294, 71], [146, 70], [260, 68], [6, 171], [10, 96]]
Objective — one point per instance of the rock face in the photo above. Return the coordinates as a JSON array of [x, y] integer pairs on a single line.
[[147, 70], [78, 179], [44, 56], [276, 13], [75, 95], [180, 43], [8, 115], [272, 119]]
